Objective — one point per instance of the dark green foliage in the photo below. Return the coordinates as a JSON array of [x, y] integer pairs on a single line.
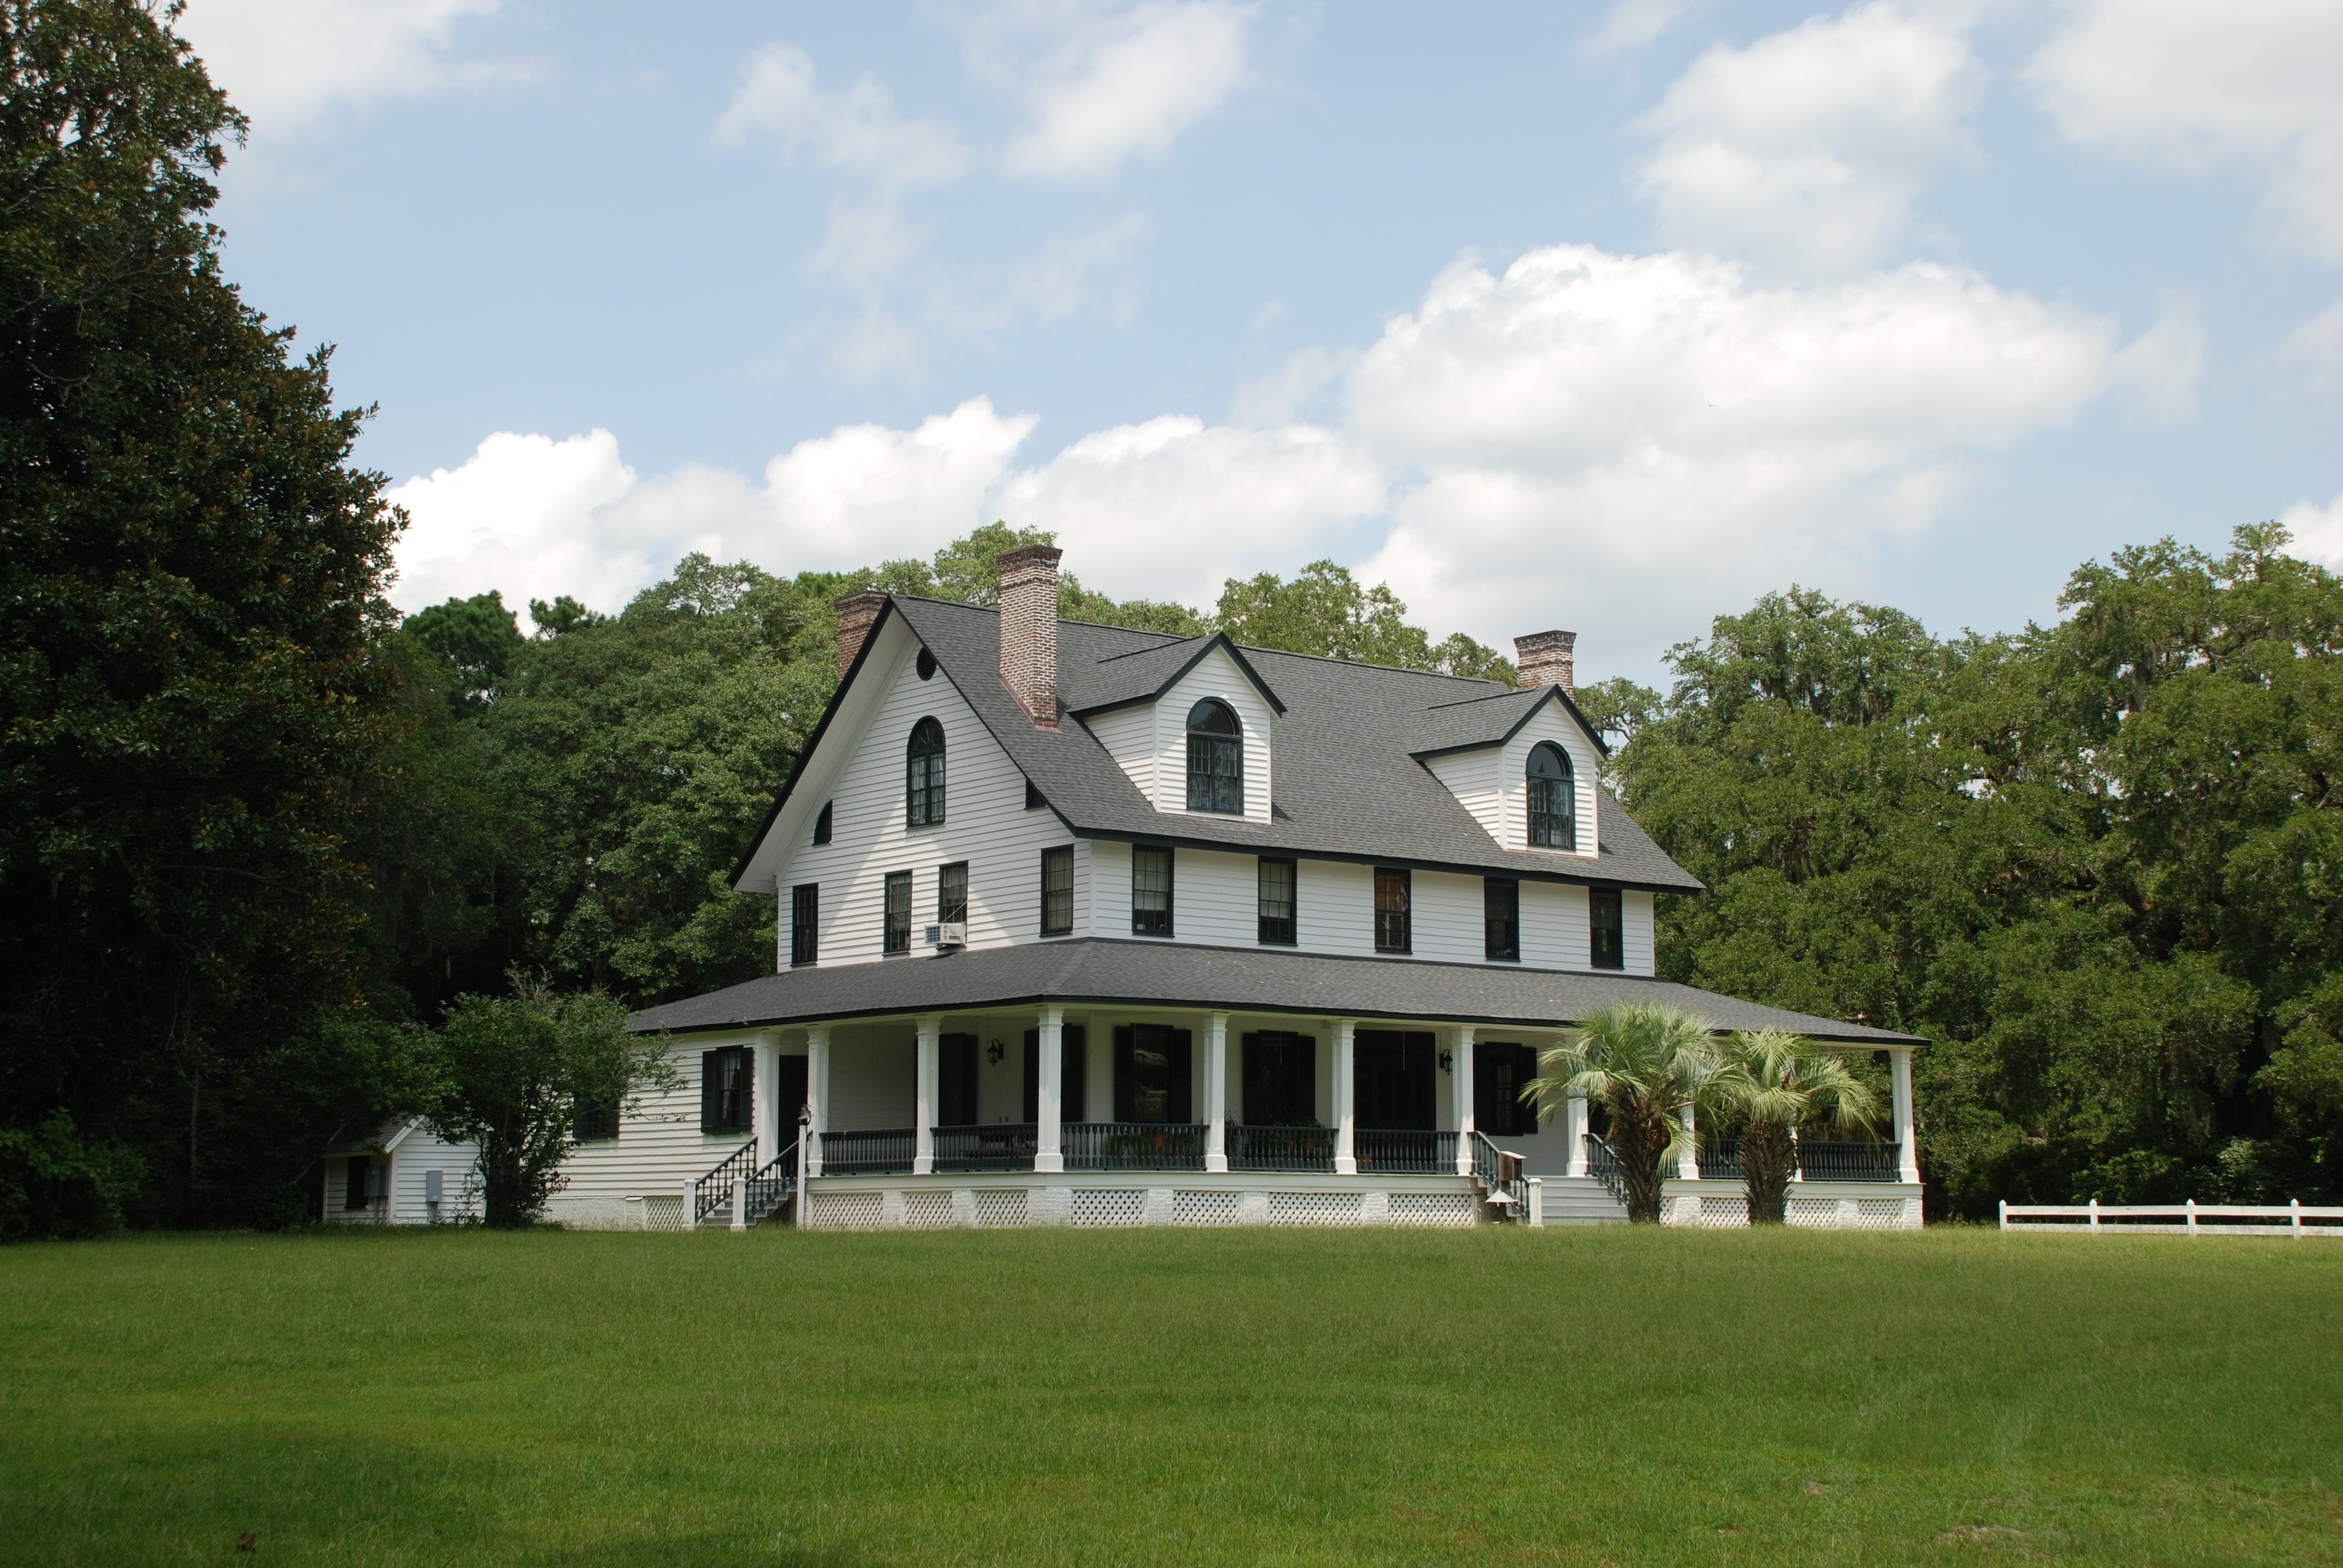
[[509, 1073], [190, 614], [477, 636], [2096, 862], [55, 1185], [1326, 611]]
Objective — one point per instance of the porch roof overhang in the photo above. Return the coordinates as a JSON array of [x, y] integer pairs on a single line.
[[1103, 971]]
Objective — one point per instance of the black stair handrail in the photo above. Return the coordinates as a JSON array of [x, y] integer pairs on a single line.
[[1602, 1164], [714, 1190], [1500, 1170]]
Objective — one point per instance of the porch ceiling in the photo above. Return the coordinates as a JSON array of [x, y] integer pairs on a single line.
[[1104, 971]]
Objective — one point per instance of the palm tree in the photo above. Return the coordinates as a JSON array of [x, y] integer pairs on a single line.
[[1642, 1063], [1776, 1083]]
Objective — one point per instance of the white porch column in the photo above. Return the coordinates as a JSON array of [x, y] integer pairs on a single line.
[[817, 1094], [1346, 1160], [768, 1088], [1573, 1125], [1048, 1154], [923, 1111], [1688, 1162], [1907, 1157], [1460, 1085], [1216, 1092]]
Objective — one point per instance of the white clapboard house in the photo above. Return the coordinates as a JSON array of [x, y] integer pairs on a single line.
[[1082, 925]]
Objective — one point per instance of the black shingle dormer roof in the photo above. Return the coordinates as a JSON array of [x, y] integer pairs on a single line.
[[1346, 785]]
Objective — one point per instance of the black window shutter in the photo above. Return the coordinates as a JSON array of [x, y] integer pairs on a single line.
[[1248, 1102], [1033, 1078], [1074, 1085], [744, 1099], [711, 1090], [1180, 1060], [354, 1181], [1122, 1073]]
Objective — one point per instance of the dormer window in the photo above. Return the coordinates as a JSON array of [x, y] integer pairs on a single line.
[[1215, 759], [923, 774], [1553, 799]]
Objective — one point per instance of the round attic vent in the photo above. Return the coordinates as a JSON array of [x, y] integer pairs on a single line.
[[926, 665]]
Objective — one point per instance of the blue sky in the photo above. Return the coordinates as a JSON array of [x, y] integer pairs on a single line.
[[1609, 318]]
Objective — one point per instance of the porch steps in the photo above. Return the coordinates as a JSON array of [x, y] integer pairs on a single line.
[[1581, 1201]]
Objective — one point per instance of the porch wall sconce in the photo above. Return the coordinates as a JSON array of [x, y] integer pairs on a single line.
[[994, 1052], [1447, 1060]]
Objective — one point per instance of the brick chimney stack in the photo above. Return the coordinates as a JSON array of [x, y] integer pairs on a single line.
[[856, 612], [1029, 630], [1545, 659]]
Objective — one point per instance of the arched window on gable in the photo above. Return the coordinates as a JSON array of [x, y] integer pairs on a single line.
[[1215, 759], [1554, 799], [923, 774]]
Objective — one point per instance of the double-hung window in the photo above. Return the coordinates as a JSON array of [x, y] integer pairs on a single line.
[[1151, 891], [923, 774], [898, 935], [1215, 759], [1552, 799], [805, 924], [1394, 932], [1501, 919], [1058, 890], [1277, 894], [1607, 930], [952, 893]]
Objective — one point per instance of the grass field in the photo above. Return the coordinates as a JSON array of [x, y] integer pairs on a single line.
[[1497, 1397]]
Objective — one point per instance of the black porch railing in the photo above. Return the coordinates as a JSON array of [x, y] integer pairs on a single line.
[[1848, 1162], [1603, 1166], [714, 1191], [1403, 1151], [1720, 1161], [1281, 1148], [883, 1153], [996, 1146], [1135, 1145]]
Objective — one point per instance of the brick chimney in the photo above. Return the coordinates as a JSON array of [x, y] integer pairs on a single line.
[[1029, 630], [1544, 658], [856, 612]]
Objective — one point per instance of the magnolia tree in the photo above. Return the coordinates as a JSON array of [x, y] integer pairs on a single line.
[[1773, 1083], [1642, 1064], [513, 1074]]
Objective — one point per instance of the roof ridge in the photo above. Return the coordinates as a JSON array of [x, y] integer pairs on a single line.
[[1485, 696], [994, 610]]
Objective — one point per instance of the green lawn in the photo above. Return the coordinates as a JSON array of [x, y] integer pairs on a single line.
[[1495, 1397]]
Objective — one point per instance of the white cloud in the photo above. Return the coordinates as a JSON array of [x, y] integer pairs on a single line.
[[1615, 443], [520, 515], [2316, 347], [1168, 509], [1618, 439], [1805, 150], [854, 129], [1127, 85], [2318, 531], [283, 61], [2191, 84], [2162, 366], [1632, 24]]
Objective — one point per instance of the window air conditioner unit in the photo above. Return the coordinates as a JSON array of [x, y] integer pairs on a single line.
[[950, 934]]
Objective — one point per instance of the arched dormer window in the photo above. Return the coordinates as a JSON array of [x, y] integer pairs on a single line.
[[1215, 759], [1553, 799], [923, 774]]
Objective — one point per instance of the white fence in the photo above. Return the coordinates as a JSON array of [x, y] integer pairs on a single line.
[[2191, 1218]]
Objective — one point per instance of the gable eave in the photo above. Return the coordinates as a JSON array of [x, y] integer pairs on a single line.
[[1219, 639]]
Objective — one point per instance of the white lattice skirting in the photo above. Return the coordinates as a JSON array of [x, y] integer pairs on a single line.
[[1450, 1209], [1203, 1208], [1807, 1210], [1112, 1207], [1316, 1208]]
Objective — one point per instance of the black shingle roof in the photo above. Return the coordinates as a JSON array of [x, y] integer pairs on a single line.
[[1344, 782], [1091, 971]]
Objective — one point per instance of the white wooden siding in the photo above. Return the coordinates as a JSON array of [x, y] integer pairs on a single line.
[[421, 1151], [1635, 920], [1446, 917], [1549, 723], [1471, 778], [1129, 736], [986, 824], [1554, 926], [1215, 675], [659, 1146]]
